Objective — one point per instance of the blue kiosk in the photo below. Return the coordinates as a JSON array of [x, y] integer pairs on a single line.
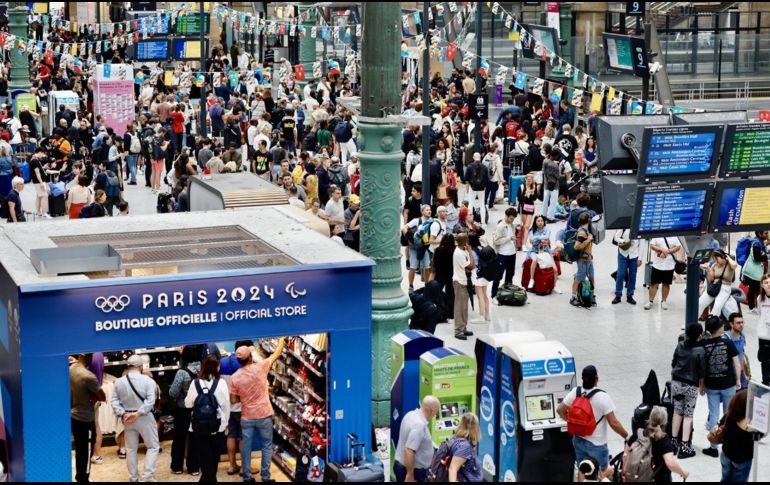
[[100, 285], [489, 354]]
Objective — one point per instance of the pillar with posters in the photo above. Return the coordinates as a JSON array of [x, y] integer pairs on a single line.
[[114, 95]]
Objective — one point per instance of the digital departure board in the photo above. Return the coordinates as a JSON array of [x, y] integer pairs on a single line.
[[680, 153], [672, 210], [741, 206], [188, 49], [152, 50], [191, 24], [747, 150]]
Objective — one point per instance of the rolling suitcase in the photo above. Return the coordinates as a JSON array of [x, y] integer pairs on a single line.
[[514, 182], [544, 279], [358, 468], [56, 206]]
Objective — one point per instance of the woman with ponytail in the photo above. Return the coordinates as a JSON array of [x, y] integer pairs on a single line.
[[664, 459]]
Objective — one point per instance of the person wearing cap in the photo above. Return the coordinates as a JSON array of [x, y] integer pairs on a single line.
[[249, 386], [133, 401], [85, 391], [437, 231], [419, 258], [352, 237], [720, 275], [595, 445]]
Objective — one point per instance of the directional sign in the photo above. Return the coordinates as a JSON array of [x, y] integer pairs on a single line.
[[479, 106]]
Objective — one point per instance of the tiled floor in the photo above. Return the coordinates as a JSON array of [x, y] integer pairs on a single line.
[[623, 341]]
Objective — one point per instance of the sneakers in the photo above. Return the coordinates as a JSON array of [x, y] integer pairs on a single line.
[[712, 452], [487, 318], [663, 305], [685, 452], [631, 300], [648, 305], [122, 454], [97, 460], [234, 470], [574, 301], [616, 300], [531, 285]]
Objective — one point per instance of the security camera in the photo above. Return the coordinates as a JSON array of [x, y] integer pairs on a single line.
[[655, 67]]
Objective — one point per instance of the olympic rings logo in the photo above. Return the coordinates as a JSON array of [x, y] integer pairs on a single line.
[[112, 303]]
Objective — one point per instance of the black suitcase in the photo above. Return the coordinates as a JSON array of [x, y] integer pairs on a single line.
[[358, 469], [56, 206]]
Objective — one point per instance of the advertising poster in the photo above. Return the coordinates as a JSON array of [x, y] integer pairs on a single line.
[[114, 95]]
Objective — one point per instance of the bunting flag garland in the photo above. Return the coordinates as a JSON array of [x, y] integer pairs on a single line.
[[556, 94], [537, 86], [614, 105], [502, 73], [467, 59], [317, 70], [577, 98], [521, 80], [484, 67]]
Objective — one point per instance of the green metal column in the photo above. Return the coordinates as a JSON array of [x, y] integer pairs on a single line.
[[18, 26], [380, 151], [307, 44]]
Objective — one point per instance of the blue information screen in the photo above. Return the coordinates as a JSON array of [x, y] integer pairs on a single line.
[[152, 50], [672, 209], [742, 206], [681, 150]]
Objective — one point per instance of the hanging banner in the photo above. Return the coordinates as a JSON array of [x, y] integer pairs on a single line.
[[114, 95], [556, 94], [521, 81], [596, 102], [577, 97], [614, 106], [299, 72], [537, 86], [552, 18], [450, 52]]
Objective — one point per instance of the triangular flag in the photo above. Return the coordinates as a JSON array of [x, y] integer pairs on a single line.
[[577, 97], [537, 86], [596, 102], [521, 80]]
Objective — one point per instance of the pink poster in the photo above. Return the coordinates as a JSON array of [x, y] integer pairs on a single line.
[[115, 101]]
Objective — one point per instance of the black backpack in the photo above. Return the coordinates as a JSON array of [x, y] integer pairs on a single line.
[[310, 142], [205, 419], [489, 265], [478, 180]]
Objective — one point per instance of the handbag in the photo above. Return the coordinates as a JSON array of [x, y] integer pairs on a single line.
[[717, 435], [528, 207], [714, 287]]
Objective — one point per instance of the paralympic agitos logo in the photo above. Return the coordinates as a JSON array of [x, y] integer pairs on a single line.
[[111, 304]]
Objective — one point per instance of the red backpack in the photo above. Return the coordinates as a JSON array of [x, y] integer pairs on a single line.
[[580, 419]]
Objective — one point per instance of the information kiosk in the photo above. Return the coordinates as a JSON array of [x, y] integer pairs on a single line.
[[450, 375], [534, 444], [181, 279], [406, 349], [488, 356]]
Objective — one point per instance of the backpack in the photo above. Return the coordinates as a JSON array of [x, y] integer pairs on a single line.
[[439, 465], [585, 294], [113, 184], [580, 419], [743, 249], [5, 211], [511, 295], [136, 144], [570, 253], [637, 460], [489, 265], [422, 234], [86, 211], [310, 142], [510, 129], [478, 180], [338, 177], [205, 421], [342, 132]]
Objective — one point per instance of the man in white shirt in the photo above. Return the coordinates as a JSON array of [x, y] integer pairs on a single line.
[[414, 451], [419, 258], [628, 263], [595, 445], [464, 270], [438, 230], [335, 210], [662, 250], [309, 88], [505, 245], [324, 89]]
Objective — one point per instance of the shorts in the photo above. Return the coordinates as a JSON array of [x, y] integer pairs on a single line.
[[482, 282], [414, 263], [41, 190], [684, 397], [158, 165], [661, 277], [584, 449], [585, 269], [234, 426]]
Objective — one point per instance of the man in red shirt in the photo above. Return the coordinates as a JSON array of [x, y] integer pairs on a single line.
[[177, 125], [250, 388], [44, 76]]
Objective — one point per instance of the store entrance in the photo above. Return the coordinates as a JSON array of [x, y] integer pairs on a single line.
[[298, 390]]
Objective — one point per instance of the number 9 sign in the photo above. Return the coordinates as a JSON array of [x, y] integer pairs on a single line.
[[635, 9]]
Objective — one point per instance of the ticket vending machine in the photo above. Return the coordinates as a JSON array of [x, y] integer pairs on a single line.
[[450, 375], [534, 444], [488, 356], [405, 351]]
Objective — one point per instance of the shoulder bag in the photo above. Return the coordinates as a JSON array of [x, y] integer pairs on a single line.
[[714, 287], [680, 267]]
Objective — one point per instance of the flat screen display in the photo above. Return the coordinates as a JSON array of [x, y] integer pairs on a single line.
[[680, 153], [546, 36], [746, 151], [152, 50], [187, 49], [672, 210], [150, 20], [619, 53], [191, 24], [741, 206], [540, 408]]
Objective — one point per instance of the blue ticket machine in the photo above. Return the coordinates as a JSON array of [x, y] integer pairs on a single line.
[[406, 349], [534, 444], [488, 356]]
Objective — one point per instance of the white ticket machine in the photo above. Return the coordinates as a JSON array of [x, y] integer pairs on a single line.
[[534, 444]]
